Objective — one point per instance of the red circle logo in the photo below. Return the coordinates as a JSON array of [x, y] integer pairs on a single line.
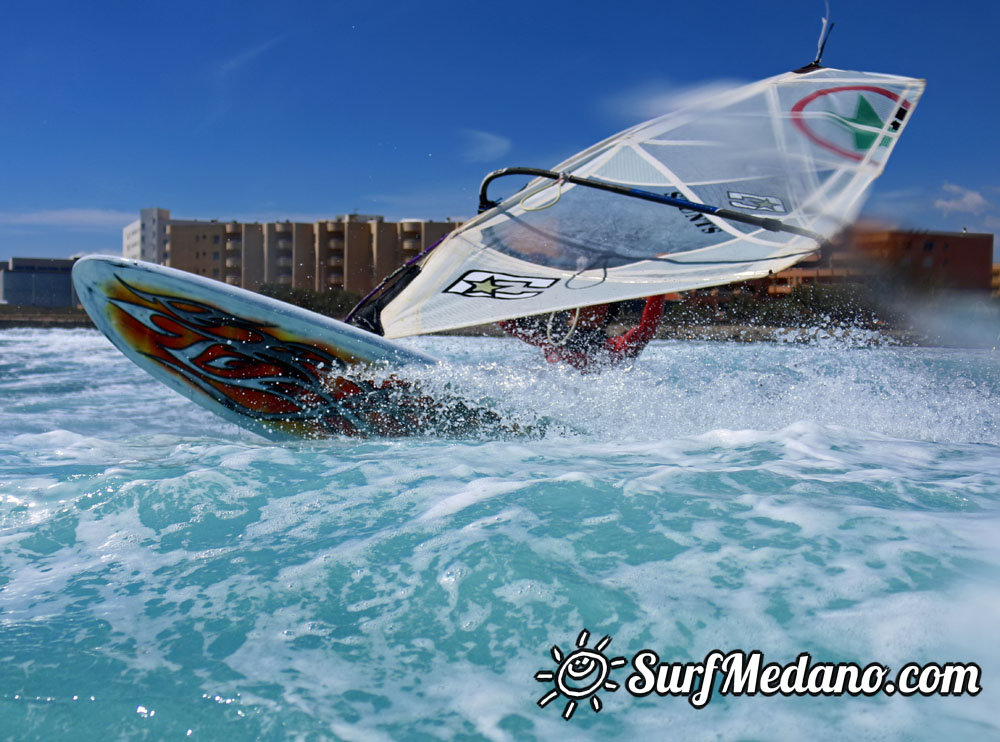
[[799, 119]]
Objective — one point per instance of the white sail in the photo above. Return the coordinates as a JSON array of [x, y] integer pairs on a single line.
[[802, 147]]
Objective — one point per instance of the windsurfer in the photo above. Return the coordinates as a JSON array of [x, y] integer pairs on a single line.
[[578, 337]]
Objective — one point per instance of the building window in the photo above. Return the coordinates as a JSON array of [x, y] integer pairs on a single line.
[[215, 239], [929, 246], [928, 261], [215, 255]]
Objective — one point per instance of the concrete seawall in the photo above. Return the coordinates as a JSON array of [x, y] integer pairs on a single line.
[[22, 317]]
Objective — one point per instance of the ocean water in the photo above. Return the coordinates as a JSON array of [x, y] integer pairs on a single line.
[[166, 575]]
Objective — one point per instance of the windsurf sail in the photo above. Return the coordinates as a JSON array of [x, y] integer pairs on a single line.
[[737, 187]]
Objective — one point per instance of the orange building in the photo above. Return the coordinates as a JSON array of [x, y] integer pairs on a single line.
[[930, 261]]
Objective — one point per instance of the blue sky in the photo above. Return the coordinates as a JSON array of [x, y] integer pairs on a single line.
[[305, 110]]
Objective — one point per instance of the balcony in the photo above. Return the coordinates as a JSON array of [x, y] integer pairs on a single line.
[[284, 262], [335, 261], [410, 245], [234, 262], [334, 278]]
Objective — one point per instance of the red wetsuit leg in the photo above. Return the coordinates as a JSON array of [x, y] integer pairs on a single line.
[[632, 342]]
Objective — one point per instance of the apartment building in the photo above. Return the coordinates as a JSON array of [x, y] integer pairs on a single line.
[[289, 254], [244, 255], [197, 247], [352, 252], [146, 237], [345, 250]]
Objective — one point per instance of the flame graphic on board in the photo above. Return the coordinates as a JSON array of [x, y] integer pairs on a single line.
[[260, 371]]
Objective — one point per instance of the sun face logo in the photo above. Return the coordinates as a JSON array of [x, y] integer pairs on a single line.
[[580, 674]]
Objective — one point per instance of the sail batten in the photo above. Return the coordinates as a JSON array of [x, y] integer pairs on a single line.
[[798, 150]]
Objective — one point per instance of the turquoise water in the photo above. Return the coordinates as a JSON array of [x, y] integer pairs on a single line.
[[164, 574]]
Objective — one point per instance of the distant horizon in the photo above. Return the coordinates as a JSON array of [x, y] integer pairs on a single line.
[[874, 223]]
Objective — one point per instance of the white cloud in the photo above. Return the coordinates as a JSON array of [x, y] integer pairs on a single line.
[[437, 204], [897, 204], [657, 98], [964, 201], [222, 75], [483, 146], [63, 218], [238, 61]]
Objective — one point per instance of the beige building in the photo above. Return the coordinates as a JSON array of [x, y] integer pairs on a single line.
[[245, 255], [345, 252], [197, 247], [352, 252], [289, 254], [146, 237]]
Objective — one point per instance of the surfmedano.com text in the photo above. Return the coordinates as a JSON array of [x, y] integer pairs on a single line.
[[744, 674]]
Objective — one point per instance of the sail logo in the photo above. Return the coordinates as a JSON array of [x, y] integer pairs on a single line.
[[865, 128], [493, 285], [697, 218], [756, 203]]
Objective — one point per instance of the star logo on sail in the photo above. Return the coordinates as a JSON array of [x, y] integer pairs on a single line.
[[493, 285], [753, 202], [488, 285]]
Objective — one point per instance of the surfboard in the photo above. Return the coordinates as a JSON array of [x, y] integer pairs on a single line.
[[277, 369]]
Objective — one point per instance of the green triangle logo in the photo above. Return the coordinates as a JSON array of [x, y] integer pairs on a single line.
[[861, 124]]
